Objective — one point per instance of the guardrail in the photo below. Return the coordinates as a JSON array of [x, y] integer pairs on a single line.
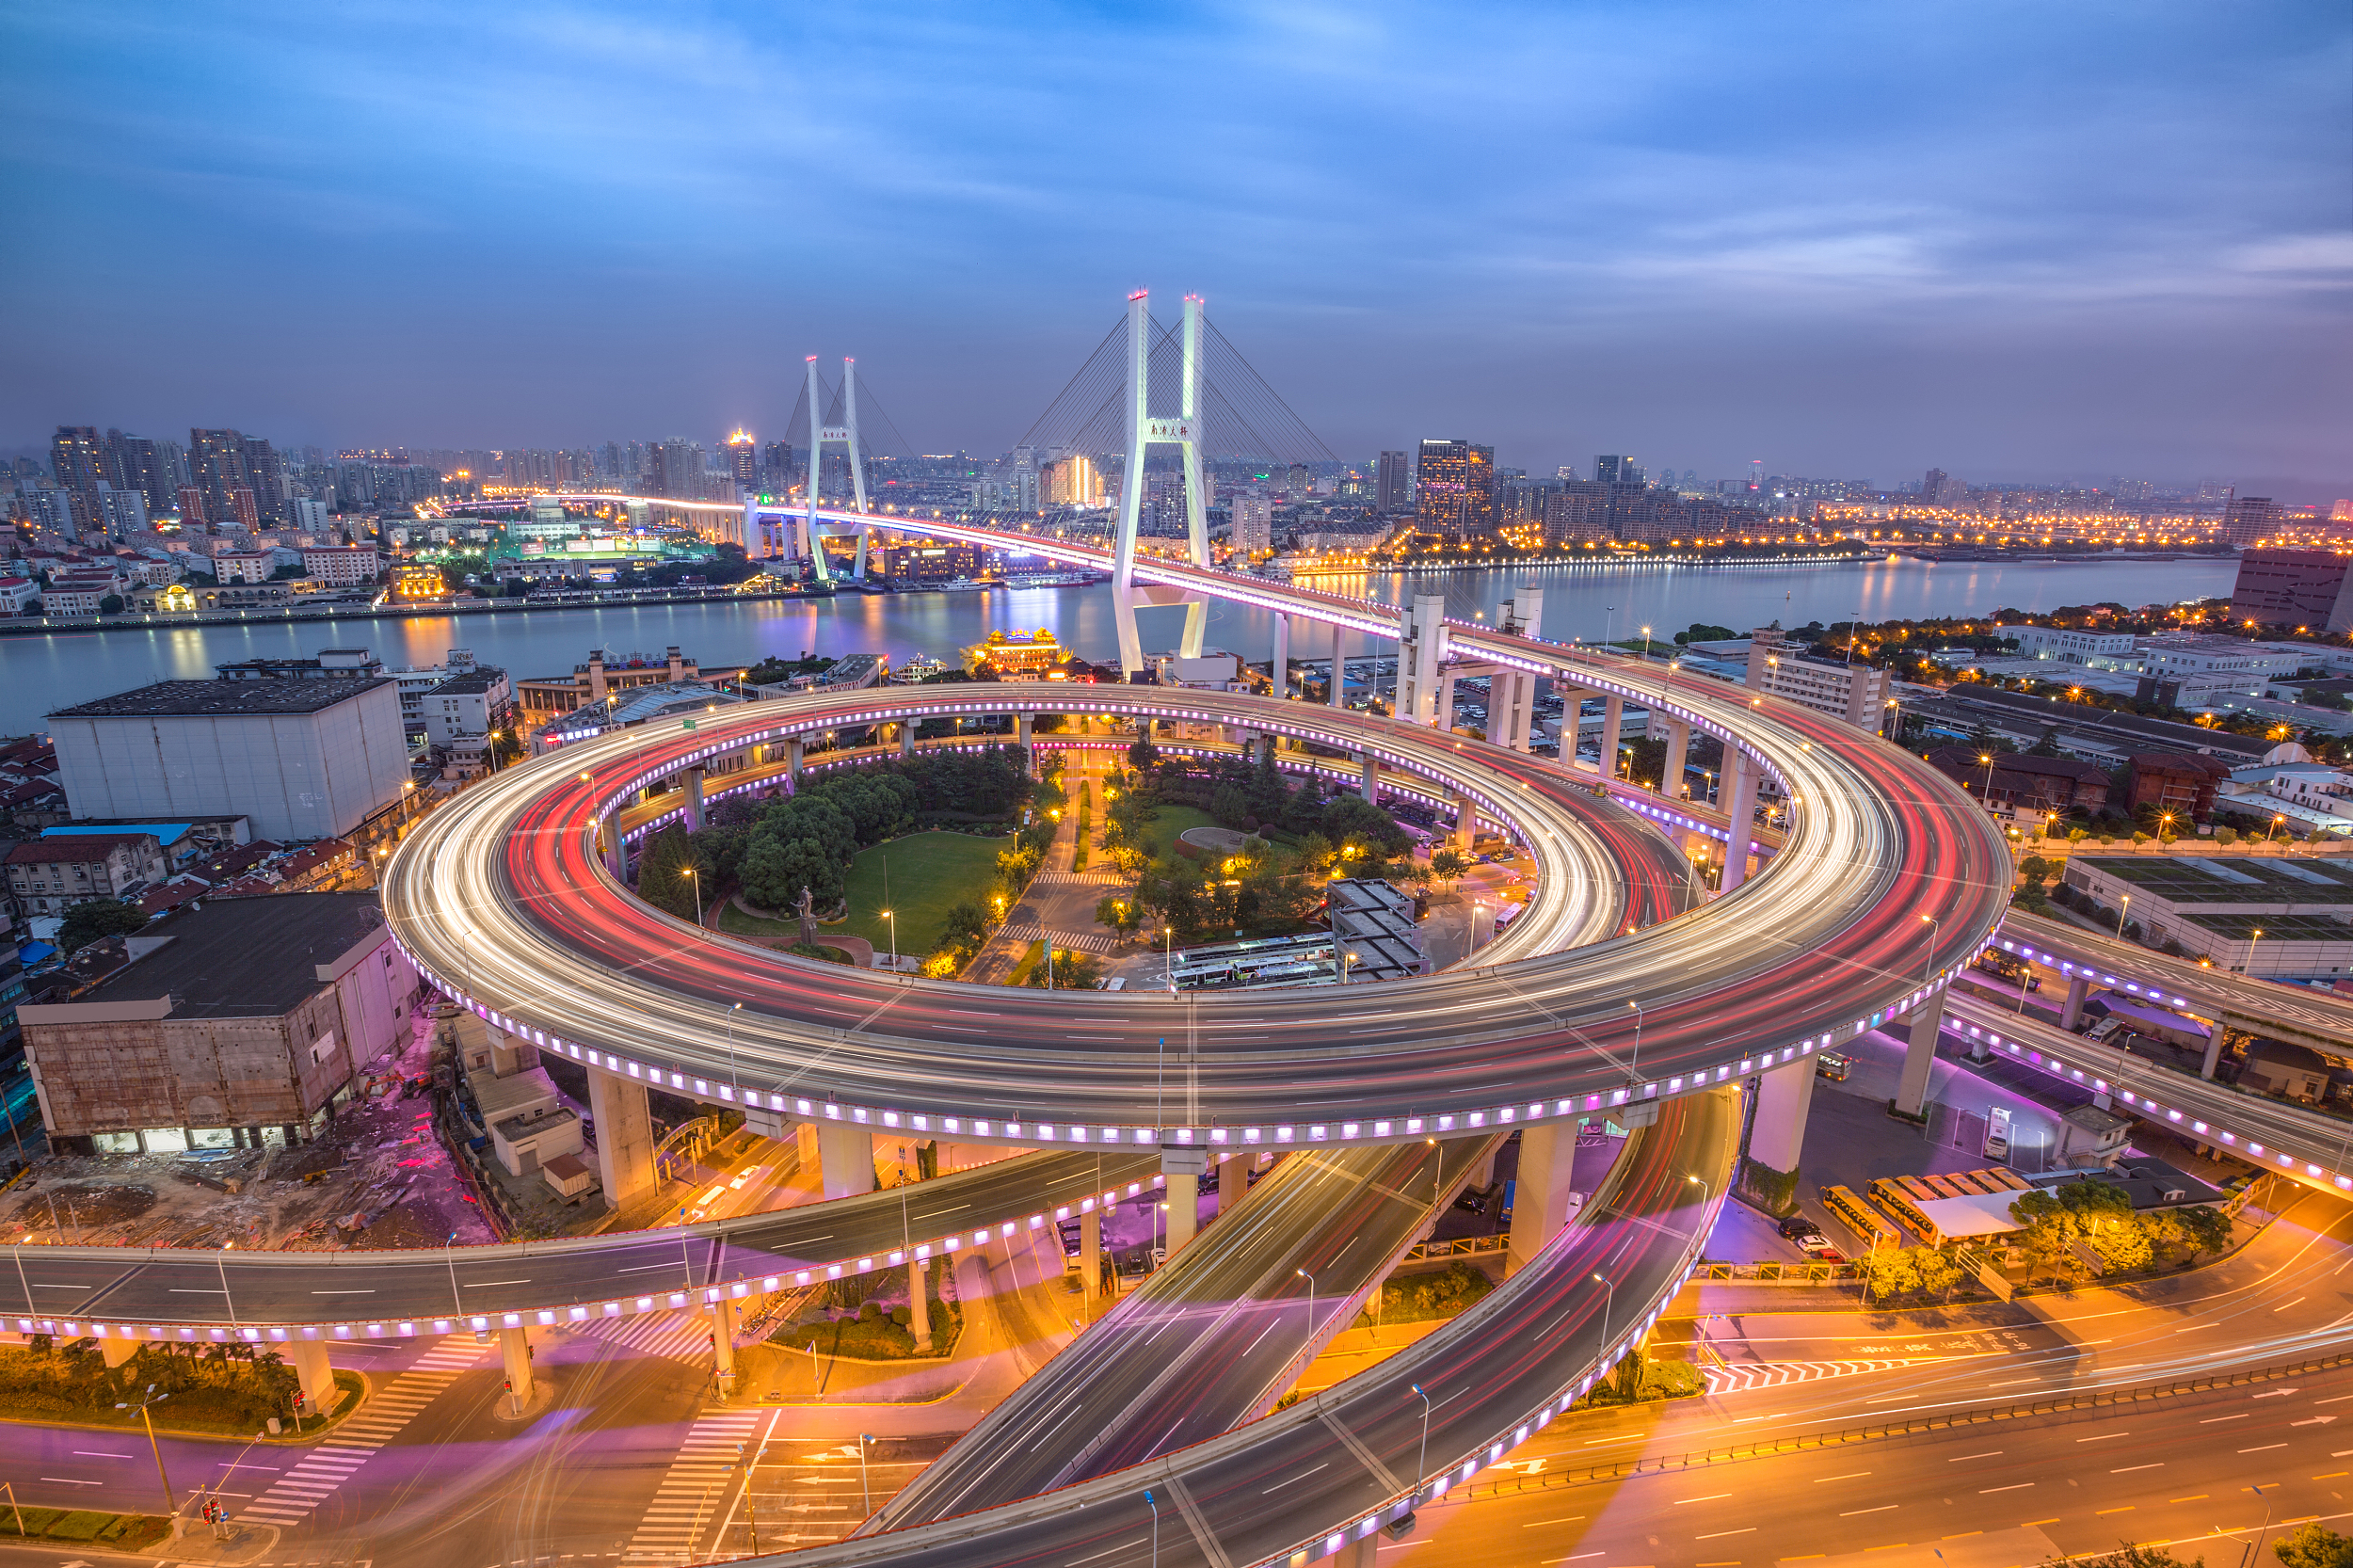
[[1463, 1246]]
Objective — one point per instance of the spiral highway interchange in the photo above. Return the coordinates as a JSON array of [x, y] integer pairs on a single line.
[[1887, 880]]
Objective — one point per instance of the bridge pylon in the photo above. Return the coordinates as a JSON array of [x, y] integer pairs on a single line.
[[821, 435], [1183, 432]]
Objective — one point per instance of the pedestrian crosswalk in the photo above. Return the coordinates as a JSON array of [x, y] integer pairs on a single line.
[[1108, 878], [681, 1336], [1742, 1377], [1061, 938], [692, 1499], [328, 1466]]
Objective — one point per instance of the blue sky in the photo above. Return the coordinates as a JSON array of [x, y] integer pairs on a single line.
[[2015, 241]]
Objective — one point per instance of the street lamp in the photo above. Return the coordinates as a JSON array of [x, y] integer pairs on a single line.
[[1155, 1528], [697, 881], [1928, 965], [1608, 1301], [1635, 1061], [864, 1485], [1987, 758], [2256, 935], [892, 915], [1311, 1297], [154, 1447], [732, 1011]]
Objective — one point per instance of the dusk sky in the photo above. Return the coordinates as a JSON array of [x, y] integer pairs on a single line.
[[2026, 242]]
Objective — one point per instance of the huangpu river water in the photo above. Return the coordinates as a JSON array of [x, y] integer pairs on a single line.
[[42, 673]]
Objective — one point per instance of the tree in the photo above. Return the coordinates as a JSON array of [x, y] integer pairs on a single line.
[[1142, 754], [2205, 1228], [1125, 916], [2315, 1546], [1071, 971], [1888, 1274], [101, 918], [110, 605], [2127, 1555], [1447, 866], [662, 863], [1938, 1273]]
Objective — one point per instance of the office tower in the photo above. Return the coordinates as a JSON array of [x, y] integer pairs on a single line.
[[1454, 486], [1566, 473], [2249, 519], [1300, 481], [76, 459], [1393, 485], [744, 461], [1618, 470], [777, 471]]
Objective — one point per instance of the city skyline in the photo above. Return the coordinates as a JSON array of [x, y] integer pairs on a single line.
[[1957, 247]]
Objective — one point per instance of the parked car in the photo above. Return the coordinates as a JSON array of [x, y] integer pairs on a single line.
[[1796, 1225]]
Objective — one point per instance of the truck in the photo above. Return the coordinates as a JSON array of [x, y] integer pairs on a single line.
[[2111, 1017], [2009, 967]]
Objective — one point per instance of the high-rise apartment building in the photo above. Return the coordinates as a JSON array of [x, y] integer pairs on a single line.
[[155, 468], [1617, 468], [224, 487], [1454, 488], [744, 461], [2249, 519], [76, 459], [1254, 520], [266, 475], [675, 469], [309, 516], [1393, 485]]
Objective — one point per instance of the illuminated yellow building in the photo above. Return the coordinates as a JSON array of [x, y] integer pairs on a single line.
[[419, 581], [1005, 655]]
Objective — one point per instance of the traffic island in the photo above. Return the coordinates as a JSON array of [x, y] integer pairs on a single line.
[[209, 1391], [83, 1530]]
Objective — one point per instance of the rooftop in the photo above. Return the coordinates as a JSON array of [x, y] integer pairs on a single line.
[[80, 846], [194, 700], [2239, 882], [245, 958]]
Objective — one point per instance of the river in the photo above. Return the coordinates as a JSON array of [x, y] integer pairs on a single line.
[[44, 673]]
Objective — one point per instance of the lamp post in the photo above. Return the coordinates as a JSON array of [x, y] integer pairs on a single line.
[[2255, 937], [1156, 1529], [698, 882], [1421, 1465], [1606, 1304], [154, 1447], [732, 1011], [1634, 1063], [1987, 758], [1311, 1298], [864, 1485], [892, 915], [1928, 965]]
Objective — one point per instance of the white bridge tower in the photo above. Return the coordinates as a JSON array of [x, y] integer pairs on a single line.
[[1143, 431], [822, 435]]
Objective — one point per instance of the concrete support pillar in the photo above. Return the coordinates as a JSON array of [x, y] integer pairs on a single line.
[[1919, 1054], [918, 1305], [906, 737], [1357, 1554], [1540, 1197], [2071, 1014], [1465, 823], [624, 1135], [115, 1351], [1339, 667], [1091, 1252], [1499, 708], [1678, 749], [1371, 784], [1021, 730], [846, 1157], [616, 851], [2214, 1052], [1741, 815], [1777, 1136], [792, 758], [515, 1345], [694, 799], [1612, 722], [1524, 720], [1279, 664], [1183, 1167], [1483, 1173], [1572, 718], [721, 1314], [308, 1357], [1233, 1182], [1446, 702]]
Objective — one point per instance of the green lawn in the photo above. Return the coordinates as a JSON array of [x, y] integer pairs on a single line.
[[1174, 822], [926, 872]]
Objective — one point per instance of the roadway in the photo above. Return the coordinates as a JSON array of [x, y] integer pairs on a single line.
[[594, 1278], [1212, 1340], [1496, 1376], [1890, 881], [2288, 1139]]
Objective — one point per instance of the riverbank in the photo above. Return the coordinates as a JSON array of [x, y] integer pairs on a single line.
[[132, 620]]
